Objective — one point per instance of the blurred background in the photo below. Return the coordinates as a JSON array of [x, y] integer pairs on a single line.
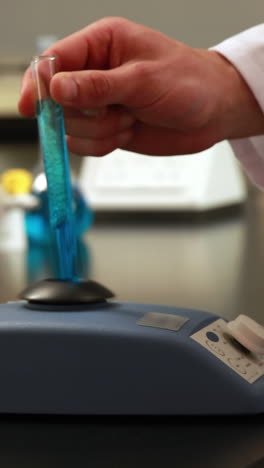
[[198, 23]]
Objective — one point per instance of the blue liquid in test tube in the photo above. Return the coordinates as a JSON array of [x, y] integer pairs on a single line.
[[56, 164]]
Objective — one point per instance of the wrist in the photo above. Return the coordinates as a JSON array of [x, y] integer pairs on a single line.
[[241, 115]]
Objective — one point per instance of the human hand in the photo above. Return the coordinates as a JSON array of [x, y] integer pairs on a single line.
[[124, 85]]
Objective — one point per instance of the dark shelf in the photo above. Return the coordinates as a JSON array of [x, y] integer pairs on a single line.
[[18, 129]]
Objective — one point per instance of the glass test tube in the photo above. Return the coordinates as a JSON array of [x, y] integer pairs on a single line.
[[56, 164]]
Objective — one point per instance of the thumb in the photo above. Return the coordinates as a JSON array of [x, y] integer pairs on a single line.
[[96, 88]]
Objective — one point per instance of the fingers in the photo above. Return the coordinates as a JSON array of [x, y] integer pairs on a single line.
[[81, 90], [146, 139], [95, 88], [100, 65], [111, 124], [160, 141], [26, 104], [89, 48], [92, 112], [100, 147], [98, 131]]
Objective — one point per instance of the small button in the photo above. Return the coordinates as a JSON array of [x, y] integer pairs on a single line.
[[248, 333], [212, 336]]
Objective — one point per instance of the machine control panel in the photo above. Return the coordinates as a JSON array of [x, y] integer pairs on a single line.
[[218, 340]]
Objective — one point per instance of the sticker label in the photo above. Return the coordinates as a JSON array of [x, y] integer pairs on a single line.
[[165, 321], [217, 340]]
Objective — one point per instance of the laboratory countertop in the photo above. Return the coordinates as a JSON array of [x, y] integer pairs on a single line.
[[211, 262]]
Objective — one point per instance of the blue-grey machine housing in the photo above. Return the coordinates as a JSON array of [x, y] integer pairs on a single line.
[[98, 359]]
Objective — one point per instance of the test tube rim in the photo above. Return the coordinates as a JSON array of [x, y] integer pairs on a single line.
[[40, 58]]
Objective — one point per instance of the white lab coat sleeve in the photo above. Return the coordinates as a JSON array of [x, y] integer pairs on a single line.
[[246, 52]]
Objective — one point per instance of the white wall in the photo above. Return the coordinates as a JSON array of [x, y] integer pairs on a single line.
[[198, 23]]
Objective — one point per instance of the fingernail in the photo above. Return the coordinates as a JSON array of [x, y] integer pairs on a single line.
[[126, 121], [68, 88]]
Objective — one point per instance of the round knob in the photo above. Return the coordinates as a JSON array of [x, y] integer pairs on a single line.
[[55, 292], [247, 332]]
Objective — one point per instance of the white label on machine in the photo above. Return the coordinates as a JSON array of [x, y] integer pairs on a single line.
[[165, 321], [216, 339]]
